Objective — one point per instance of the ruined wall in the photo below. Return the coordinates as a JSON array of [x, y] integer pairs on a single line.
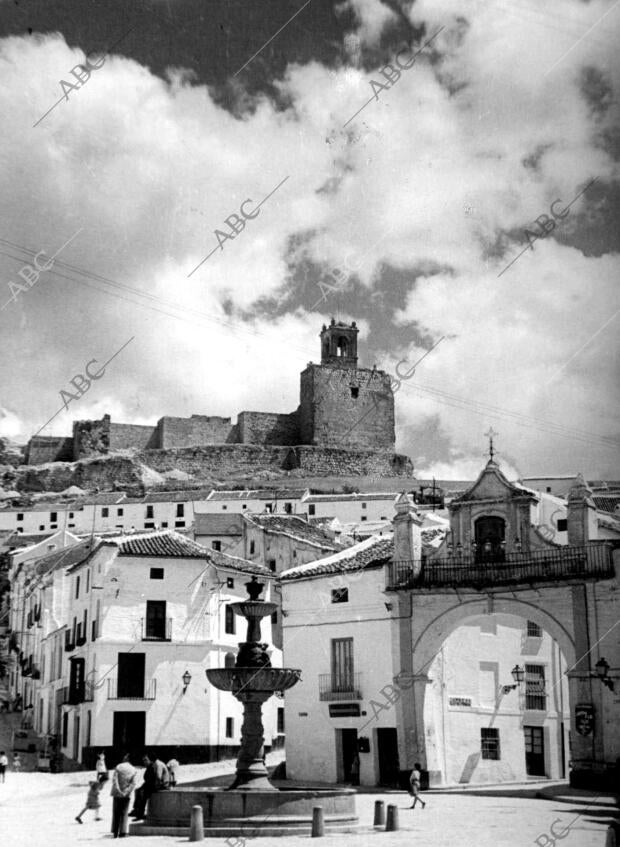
[[126, 436], [346, 407], [43, 448], [268, 428], [199, 429], [104, 473], [99, 437], [326, 461]]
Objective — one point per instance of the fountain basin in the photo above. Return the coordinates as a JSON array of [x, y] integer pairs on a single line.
[[254, 608], [248, 814], [253, 679]]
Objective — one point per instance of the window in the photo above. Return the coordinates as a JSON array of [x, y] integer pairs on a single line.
[[119, 513], [53, 526], [280, 725], [216, 545], [489, 743], [311, 509], [71, 526], [71, 515], [364, 518], [156, 573], [230, 727], [88, 580], [355, 392], [363, 505], [105, 512], [53, 517], [274, 618], [535, 697], [230, 582], [41, 527], [179, 524], [229, 621], [155, 620], [77, 587], [340, 595], [164, 524], [288, 508], [269, 508], [342, 664], [244, 506], [533, 630], [20, 516], [252, 548], [180, 510], [562, 524], [224, 507], [149, 525], [272, 565], [149, 512], [548, 489]]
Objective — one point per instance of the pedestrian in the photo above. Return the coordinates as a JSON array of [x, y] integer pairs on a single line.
[[123, 783], [3, 764], [92, 800], [173, 769], [17, 763], [156, 778], [414, 779], [101, 768]]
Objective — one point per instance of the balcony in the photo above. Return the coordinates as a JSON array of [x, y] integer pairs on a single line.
[[343, 687], [69, 696], [69, 643], [593, 561], [156, 630], [132, 689]]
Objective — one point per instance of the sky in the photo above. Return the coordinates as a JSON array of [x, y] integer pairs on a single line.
[[466, 202]]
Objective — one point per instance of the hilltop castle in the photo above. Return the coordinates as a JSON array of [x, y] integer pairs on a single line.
[[342, 408]]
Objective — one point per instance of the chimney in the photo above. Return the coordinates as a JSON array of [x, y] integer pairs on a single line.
[[581, 513], [407, 533]]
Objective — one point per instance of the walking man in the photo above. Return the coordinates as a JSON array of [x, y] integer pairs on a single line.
[[414, 779], [123, 783]]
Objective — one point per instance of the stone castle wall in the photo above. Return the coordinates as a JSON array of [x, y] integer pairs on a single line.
[[43, 448], [133, 436], [199, 429], [268, 428]]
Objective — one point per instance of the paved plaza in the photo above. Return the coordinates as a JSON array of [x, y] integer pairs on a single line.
[[39, 809]]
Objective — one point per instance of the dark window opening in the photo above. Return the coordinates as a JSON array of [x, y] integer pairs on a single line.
[[53, 517], [533, 630], [562, 524], [230, 582], [179, 523], [230, 727], [311, 509], [77, 587], [252, 548], [149, 512], [180, 510], [489, 743], [288, 508], [535, 697], [280, 725], [274, 618], [105, 512], [20, 516], [272, 565], [156, 573], [216, 545], [340, 595], [155, 620], [355, 392], [229, 621], [490, 534], [149, 525]]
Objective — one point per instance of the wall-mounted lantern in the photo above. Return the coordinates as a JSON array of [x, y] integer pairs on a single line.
[[602, 672], [187, 678], [518, 674]]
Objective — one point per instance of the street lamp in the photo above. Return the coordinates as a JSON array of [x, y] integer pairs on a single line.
[[602, 671], [187, 678], [518, 674]]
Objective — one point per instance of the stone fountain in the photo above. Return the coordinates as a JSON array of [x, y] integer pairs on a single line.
[[252, 805]]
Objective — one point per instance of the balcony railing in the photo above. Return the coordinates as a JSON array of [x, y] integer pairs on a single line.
[[73, 696], [131, 689], [345, 687], [158, 630], [593, 561]]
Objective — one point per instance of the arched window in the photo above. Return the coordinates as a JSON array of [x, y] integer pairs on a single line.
[[343, 346], [490, 533]]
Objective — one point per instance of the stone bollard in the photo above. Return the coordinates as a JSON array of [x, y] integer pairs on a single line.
[[318, 822], [379, 813], [392, 819], [196, 824]]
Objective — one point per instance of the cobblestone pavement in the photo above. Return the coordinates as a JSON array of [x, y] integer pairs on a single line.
[[39, 809]]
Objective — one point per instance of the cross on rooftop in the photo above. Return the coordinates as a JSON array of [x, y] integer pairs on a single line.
[[490, 435]]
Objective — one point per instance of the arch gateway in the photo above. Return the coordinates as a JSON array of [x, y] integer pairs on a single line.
[[495, 562]]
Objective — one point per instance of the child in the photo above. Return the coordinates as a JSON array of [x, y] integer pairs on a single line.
[[414, 779], [92, 800], [173, 769], [17, 763]]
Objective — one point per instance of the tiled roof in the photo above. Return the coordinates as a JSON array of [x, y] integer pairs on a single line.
[[168, 544], [210, 524], [333, 498], [294, 527], [106, 498], [223, 560], [66, 557], [607, 502], [372, 553], [260, 494], [184, 496]]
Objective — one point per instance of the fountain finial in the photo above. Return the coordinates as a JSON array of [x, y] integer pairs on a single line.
[[254, 588]]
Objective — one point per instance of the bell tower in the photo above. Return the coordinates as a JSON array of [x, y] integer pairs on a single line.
[[339, 344]]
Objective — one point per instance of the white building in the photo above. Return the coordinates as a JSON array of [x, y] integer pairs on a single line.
[[122, 631]]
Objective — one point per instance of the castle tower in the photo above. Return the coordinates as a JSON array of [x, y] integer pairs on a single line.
[[339, 344], [341, 404]]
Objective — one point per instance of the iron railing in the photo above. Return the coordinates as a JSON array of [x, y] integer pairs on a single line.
[[73, 696], [592, 561], [156, 630], [340, 686], [132, 689]]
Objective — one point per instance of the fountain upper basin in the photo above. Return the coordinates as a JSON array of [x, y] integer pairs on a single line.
[[253, 679]]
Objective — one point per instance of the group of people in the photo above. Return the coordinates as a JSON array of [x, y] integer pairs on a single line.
[[4, 763], [157, 777]]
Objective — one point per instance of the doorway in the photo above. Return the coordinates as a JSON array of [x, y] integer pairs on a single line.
[[387, 750], [534, 750], [347, 761], [76, 738], [490, 533], [128, 731]]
